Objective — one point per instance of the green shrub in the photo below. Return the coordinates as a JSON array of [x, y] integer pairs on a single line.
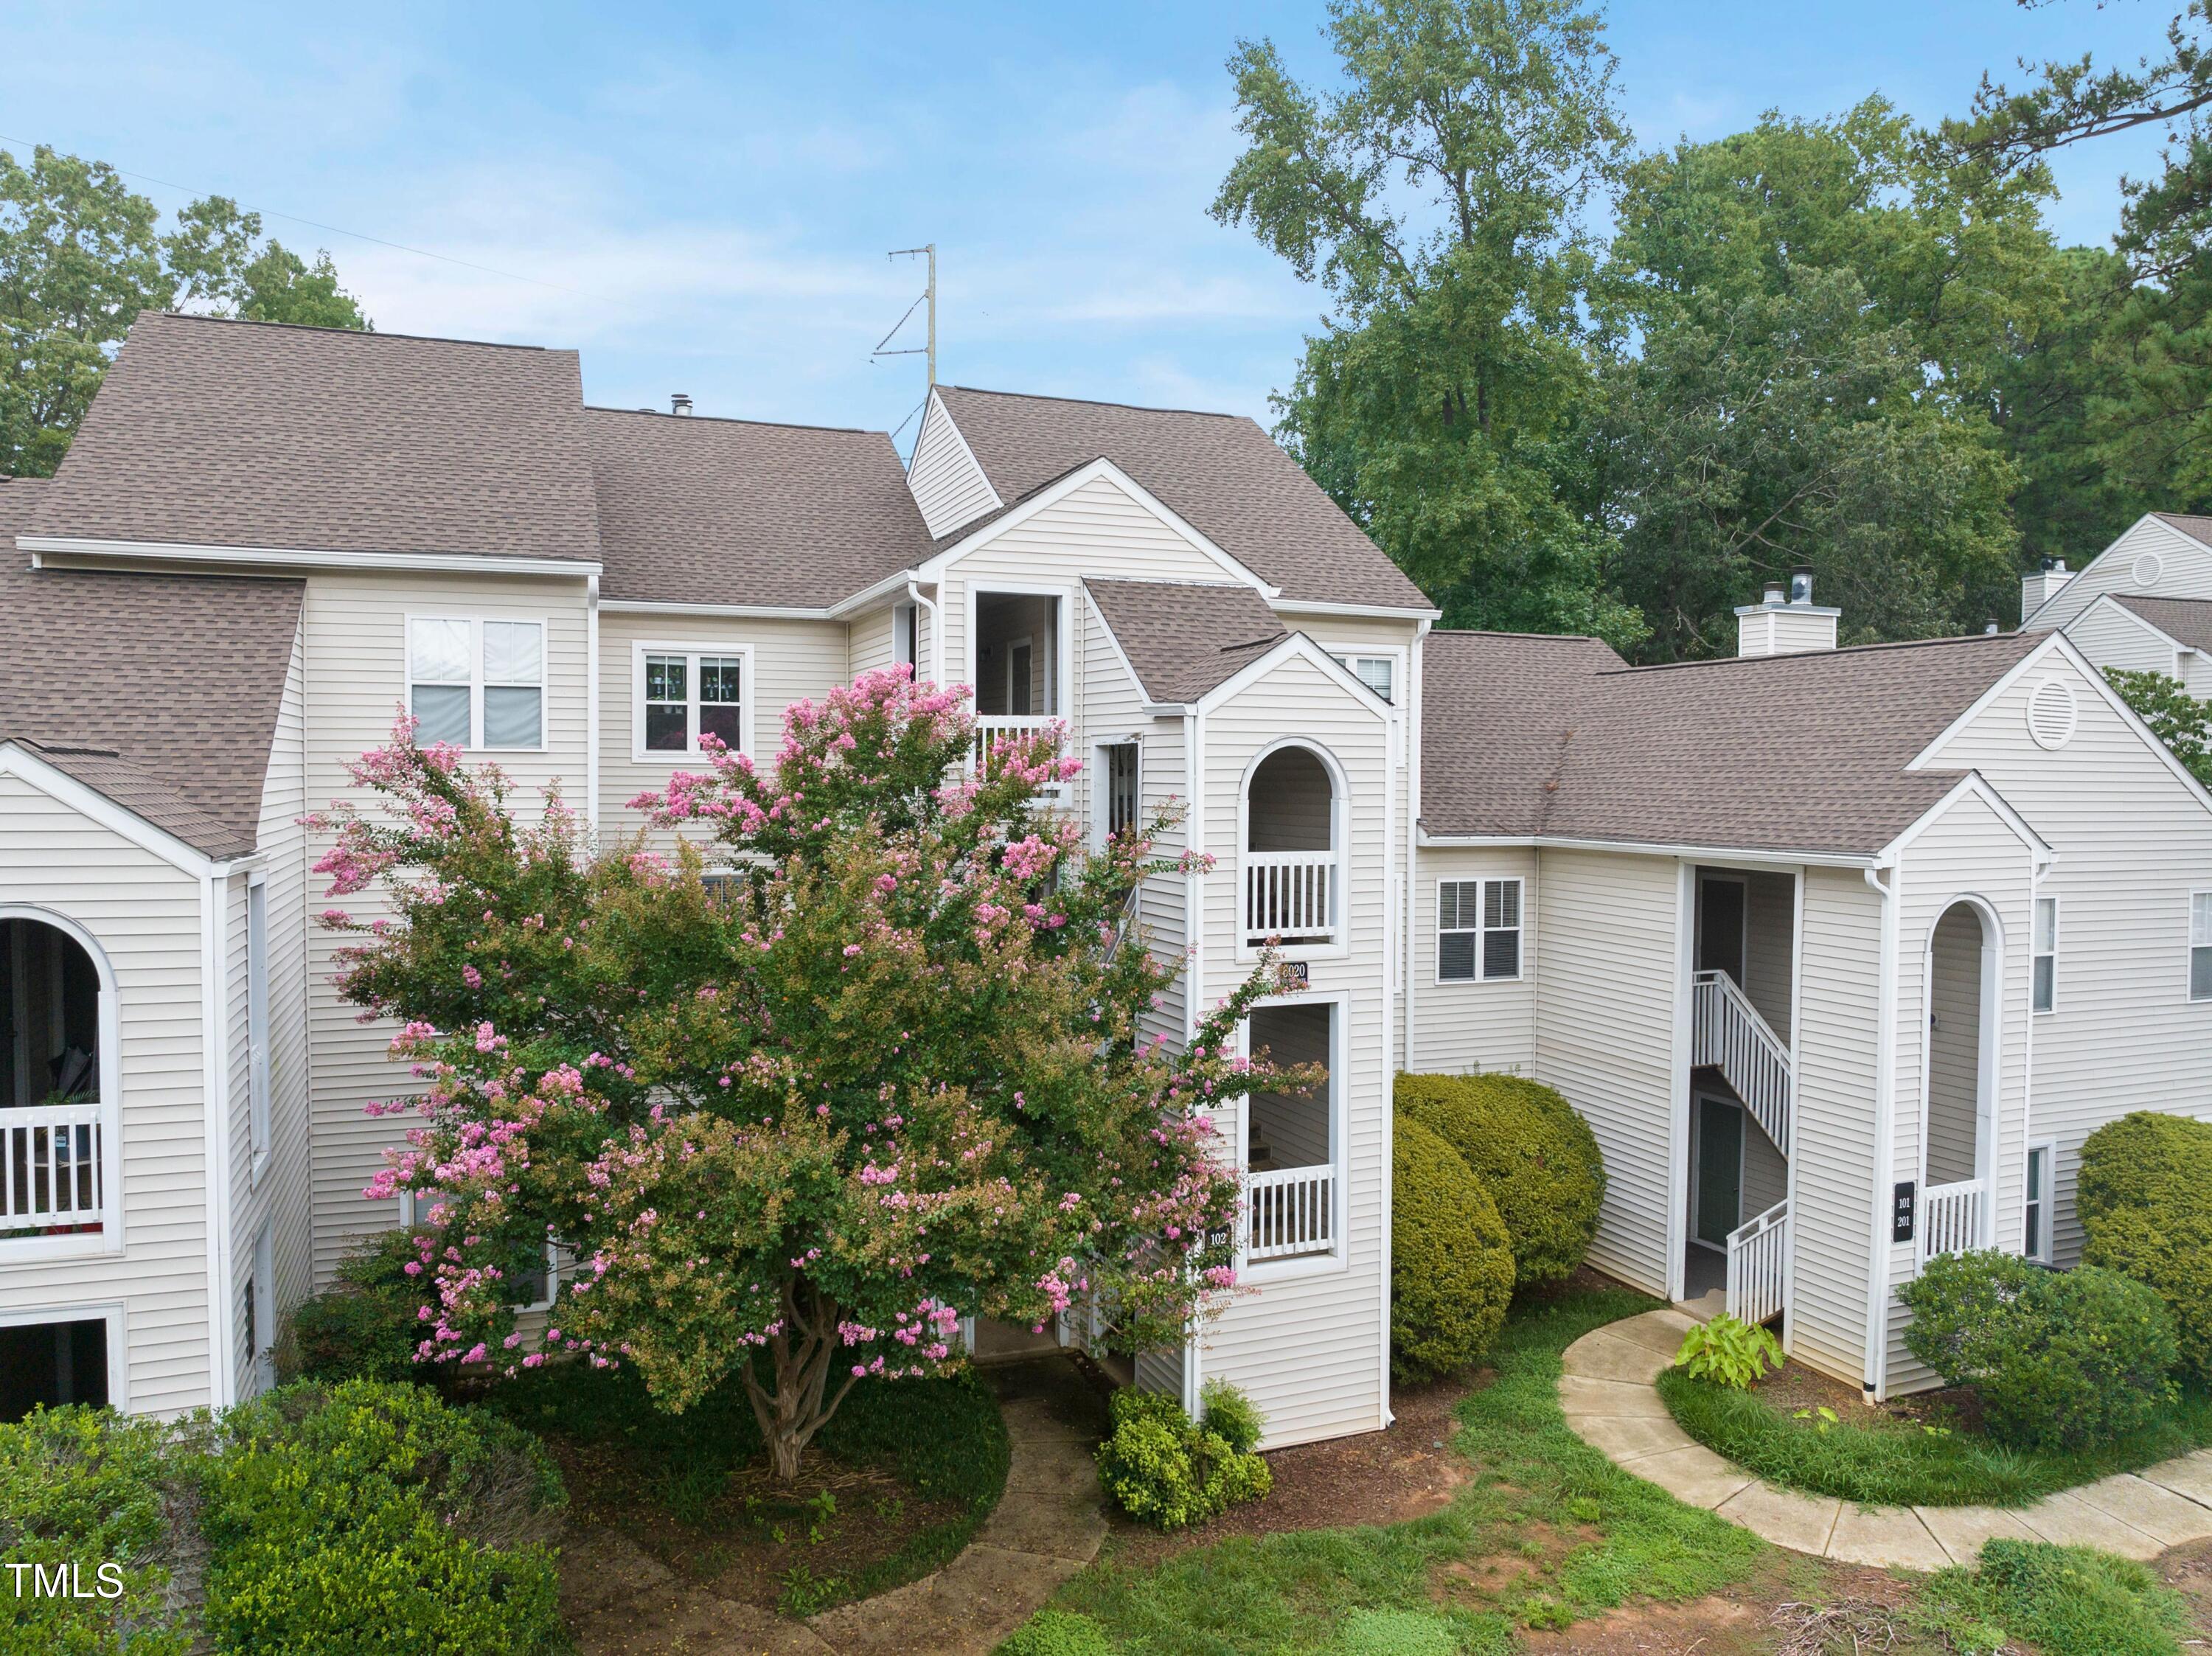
[[1538, 1158], [1165, 1470], [2145, 1198], [1058, 1632], [364, 1327], [1231, 1415], [1451, 1266], [372, 1519], [80, 1487], [2058, 1357], [1729, 1352]]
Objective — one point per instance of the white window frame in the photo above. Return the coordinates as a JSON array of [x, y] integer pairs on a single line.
[[2044, 1200], [1339, 840], [1339, 1257], [1349, 657], [2037, 954], [478, 682], [258, 1078], [110, 1313], [2200, 894], [257, 1303], [552, 1281], [109, 1238], [1479, 931], [748, 696], [1101, 786], [1062, 682]]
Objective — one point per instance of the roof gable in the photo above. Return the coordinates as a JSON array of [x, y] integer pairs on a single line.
[[1181, 639], [1219, 473]]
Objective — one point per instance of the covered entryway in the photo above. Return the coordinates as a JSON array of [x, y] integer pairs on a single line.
[[52, 1117], [1955, 1212]]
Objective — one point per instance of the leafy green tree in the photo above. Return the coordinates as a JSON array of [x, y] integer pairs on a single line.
[[794, 1128], [1438, 197], [80, 255], [2175, 716], [1814, 303]]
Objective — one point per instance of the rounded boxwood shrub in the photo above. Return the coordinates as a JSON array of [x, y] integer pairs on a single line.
[[1451, 1263], [2058, 1358], [373, 1519], [1538, 1159], [2145, 1198], [1163, 1469]]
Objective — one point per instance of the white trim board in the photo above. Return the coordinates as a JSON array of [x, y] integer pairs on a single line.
[[474, 563]]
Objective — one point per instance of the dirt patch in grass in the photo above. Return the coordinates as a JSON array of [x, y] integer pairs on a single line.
[[2188, 1571], [751, 1541], [1409, 1470], [1762, 1615]]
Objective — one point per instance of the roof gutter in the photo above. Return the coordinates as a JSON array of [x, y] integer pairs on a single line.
[[42, 547], [1385, 611], [1761, 854]]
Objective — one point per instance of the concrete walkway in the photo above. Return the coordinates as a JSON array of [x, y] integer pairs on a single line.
[[1048, 1525], [1606, 1389]]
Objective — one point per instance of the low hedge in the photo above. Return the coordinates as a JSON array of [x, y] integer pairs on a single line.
[[2145, 1200], [379, 1520], [2058, 1358], [1451, 1260], [363, 1326], [1164, 1469], [1538, 1158]]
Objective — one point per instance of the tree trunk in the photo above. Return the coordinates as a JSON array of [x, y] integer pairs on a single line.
[[798, 1400]]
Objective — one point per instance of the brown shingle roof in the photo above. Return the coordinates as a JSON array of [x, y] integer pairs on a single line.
[[1793, 753], [1219, 472], [160, 691], [251, 434], [738, 512], [2196, 528], [2185, 621], [1493, 714], [1182, 638]]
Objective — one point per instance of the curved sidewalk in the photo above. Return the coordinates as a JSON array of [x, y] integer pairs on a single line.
[[1606, 1389]]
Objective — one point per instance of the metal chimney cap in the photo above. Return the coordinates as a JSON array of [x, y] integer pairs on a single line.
[[1800, 583], [1774, 592], [679, 402]]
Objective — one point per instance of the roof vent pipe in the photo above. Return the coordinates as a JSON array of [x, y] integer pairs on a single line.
[[1774, 592], [679, 402], [1800, 583]]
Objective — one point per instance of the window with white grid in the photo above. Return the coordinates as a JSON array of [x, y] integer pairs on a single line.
[[1478, 930]]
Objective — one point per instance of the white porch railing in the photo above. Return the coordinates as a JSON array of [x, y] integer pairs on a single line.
[[1289, 1211], [1727, 1032], [1289, 894], [1953, 1218], [1759, 1266], [51, 1169], [992, 727]]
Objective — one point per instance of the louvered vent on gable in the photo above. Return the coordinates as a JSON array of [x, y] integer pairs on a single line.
[[2052, 714], [2147, 569]]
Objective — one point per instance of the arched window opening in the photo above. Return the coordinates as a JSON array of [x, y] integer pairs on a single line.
[[51, 1106], [1291, 850], [1956, 1207]]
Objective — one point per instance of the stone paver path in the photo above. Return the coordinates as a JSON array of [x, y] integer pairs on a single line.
[[1048, 1525], [1606, 1389]]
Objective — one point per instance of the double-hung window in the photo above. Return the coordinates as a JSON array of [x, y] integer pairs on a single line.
[[477, 683], [2045, 953], [2200, 945], [685, 694], [2035, 1237], [1478, 930]]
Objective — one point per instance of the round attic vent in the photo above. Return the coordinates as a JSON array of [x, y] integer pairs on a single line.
[[2149, 569], [2051, 713]]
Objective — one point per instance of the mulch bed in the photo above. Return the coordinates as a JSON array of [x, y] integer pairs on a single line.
[[1376, 1478], [747, 1542], [1793, 1387]]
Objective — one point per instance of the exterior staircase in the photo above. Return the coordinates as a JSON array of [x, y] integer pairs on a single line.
[[1727, 1034]]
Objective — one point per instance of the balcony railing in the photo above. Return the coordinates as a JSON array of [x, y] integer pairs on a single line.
[[1953, 1218], [52, 1176], [1291, 895], [1289, 1211], [1727, 1032], [995, 727]]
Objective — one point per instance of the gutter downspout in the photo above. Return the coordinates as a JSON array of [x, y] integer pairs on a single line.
[[1885, 1133], [215, 1005], [936, 634], [592, 704]]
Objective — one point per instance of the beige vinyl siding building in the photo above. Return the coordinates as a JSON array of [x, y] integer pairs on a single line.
[[948, 484], [2160, 555], [1475, 1023]]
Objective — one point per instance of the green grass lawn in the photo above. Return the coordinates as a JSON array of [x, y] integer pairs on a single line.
[[1868, 1456], [1590, 1536], [2065, 1601]]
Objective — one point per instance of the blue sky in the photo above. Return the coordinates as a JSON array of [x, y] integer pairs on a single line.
[[701, 199]]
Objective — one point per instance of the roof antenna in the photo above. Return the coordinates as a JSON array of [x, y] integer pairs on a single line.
[[929, 298]]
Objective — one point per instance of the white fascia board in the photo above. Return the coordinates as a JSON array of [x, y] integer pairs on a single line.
[[1762, 857], [1972, 785], [1379, 611], [89, 803], [752, 611], [1294, 644], [41, 547], [934, 569], [2060, 643], [893, 585]]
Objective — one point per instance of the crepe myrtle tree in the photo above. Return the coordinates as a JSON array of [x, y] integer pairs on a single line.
[[791, 1122]]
